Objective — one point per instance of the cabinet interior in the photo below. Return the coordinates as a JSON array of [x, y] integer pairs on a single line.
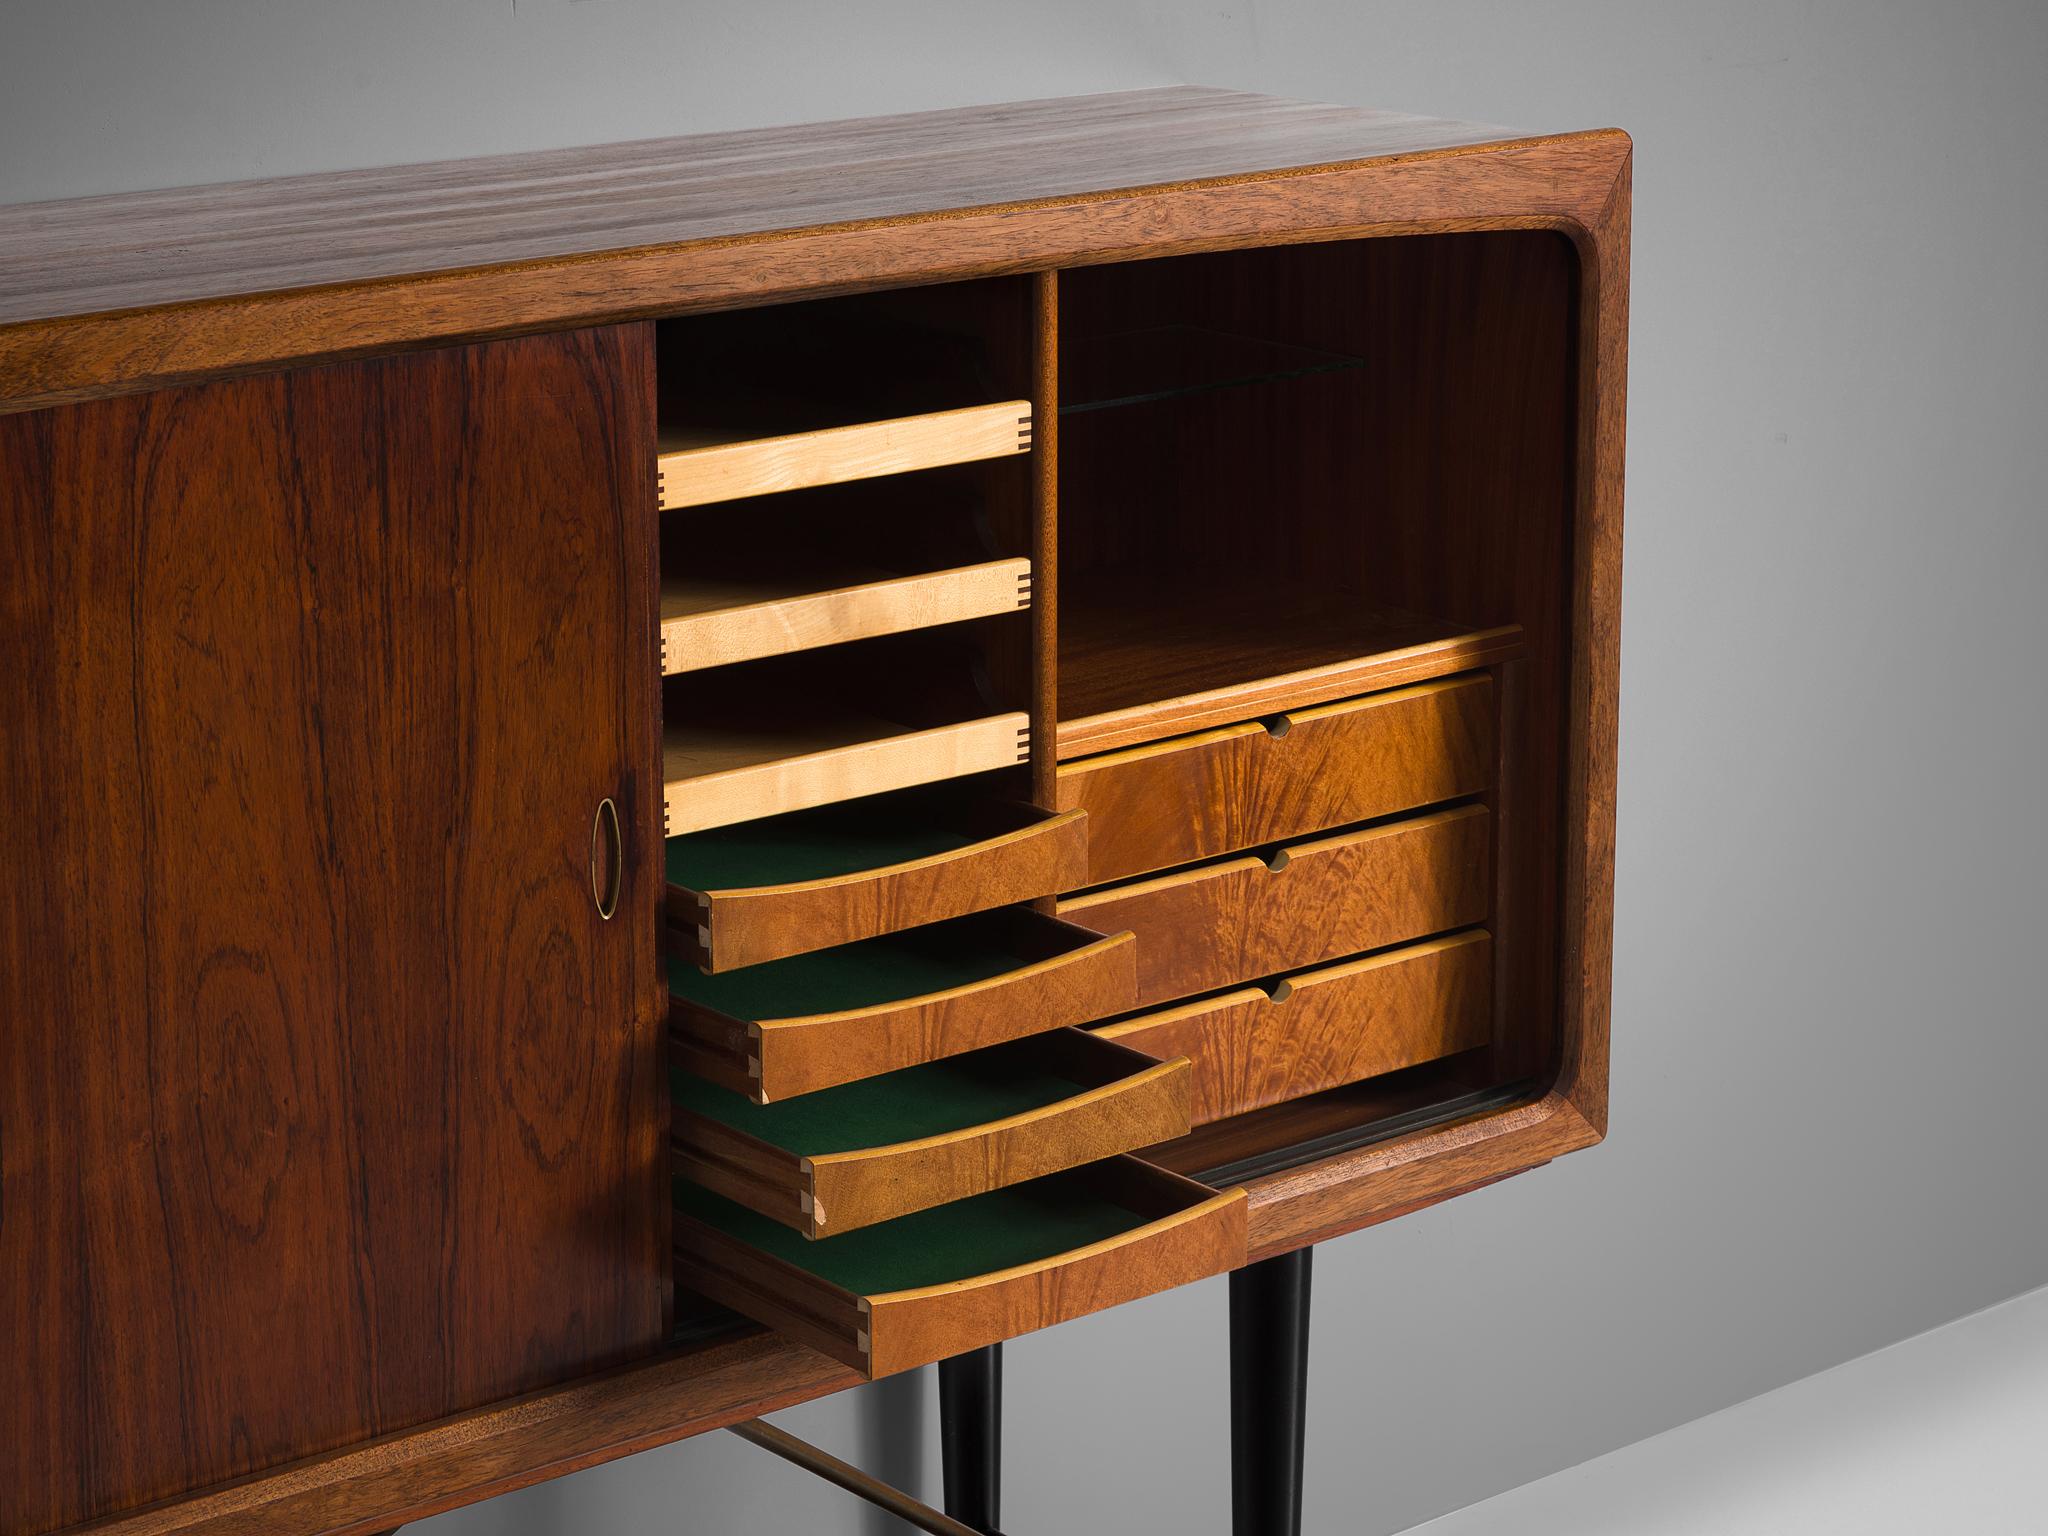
[[1276, 477]]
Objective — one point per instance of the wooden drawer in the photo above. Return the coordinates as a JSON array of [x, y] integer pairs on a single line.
[[848, 1157], [1195, 797], [939, 1282], [837, 1015], [1245, 918], [1325, 1028], [784, 885]]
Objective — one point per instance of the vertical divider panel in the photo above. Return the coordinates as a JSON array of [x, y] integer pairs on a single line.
[[647, 825], [1045, 472]]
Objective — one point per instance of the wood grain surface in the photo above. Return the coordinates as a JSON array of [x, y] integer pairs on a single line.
[[1478, 364], [1141, 668], [328, 1104], [1223, 924], [126, 251], [1045, 537], [794, 1302], [1432, 474], [723, 930], [1181, 1231], [1147, 1103], [268, 305], [712, 623], [692, 472], [1076, 976], [1325, 1028], [1261, 782], [1348, 1190], [508, 1446], [1205, 1235], [1122, 1099], [716, 774], [1340, 1193], [95, 318]]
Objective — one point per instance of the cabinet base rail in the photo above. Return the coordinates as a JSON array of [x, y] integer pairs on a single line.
[[844, 1475]]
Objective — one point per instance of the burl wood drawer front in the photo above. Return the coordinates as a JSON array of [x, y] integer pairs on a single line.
[[933, 1284], [835, 1016], [765, 890], [1242, 919], [1195, 797], [1325, 1028], [873, 1150]]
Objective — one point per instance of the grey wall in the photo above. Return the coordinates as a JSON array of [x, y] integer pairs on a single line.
[[1829, 1031]]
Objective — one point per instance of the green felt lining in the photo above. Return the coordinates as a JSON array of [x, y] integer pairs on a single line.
[[976, 1236], [860, 975], [905, 1105], [820, 844]]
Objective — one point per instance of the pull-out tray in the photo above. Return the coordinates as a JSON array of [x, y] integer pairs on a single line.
[[709, 621], [716, 772], [873, 1150], [697, 467], [784, 885], [930, 1285], [837, 1015]]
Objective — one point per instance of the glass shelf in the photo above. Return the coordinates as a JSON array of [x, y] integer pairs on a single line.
[[1168, 362]]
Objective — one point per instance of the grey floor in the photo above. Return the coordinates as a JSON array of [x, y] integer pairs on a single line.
[[1946, 1432]]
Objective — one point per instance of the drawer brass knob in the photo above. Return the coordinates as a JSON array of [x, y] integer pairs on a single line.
[[607, 858]]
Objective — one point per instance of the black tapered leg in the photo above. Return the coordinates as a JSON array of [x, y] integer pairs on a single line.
[[971, 1435], [1268, 1394]]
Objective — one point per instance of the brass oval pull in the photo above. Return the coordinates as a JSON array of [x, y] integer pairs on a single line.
[[607, 858]]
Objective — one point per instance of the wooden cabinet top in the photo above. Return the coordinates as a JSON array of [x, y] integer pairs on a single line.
[[110, 294]]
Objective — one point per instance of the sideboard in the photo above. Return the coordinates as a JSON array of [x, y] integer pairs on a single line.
[[637, 783]]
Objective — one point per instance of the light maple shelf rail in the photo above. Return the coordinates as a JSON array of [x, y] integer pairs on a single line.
[[707, 621], [697, 468], [714, 774]]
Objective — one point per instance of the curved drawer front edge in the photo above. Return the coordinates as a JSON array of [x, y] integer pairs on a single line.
[[822, 1194], [769, 1059], [1205, 1239], [726, 929]]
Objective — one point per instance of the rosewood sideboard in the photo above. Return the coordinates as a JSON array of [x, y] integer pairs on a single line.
[[638, 783]]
